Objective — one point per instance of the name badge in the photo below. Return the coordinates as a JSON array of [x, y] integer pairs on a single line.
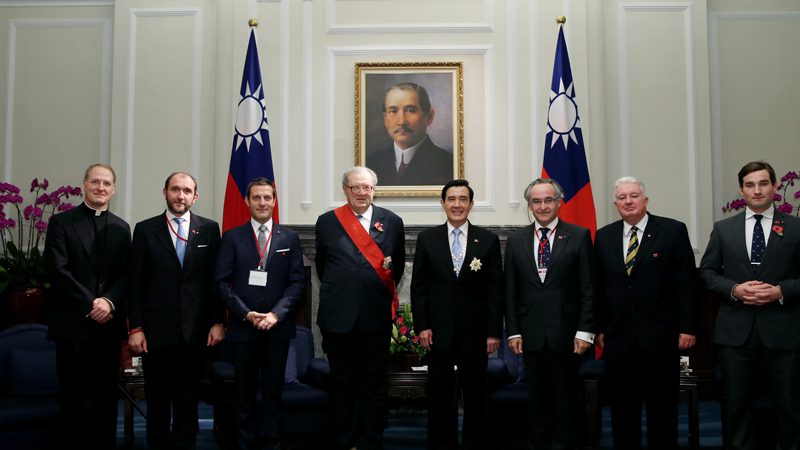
[[258, 278]]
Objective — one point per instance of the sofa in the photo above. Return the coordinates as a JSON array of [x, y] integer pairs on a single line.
[[307, 405], [28, 388]]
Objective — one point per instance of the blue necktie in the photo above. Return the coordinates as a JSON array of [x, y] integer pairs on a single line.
[[458, 257], [759, 243], [180, 244], [544, 248]]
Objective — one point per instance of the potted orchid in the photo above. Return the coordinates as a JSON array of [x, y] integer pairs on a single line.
[[22, 227], [783, 195]]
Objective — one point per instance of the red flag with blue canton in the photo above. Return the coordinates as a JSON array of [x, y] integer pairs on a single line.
[[564, 153], [251, 156]]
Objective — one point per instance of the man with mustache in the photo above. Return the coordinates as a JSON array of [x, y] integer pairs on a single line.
[[173, 312], [412, 159]]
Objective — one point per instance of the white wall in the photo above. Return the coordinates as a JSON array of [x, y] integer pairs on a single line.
[[677, 93]]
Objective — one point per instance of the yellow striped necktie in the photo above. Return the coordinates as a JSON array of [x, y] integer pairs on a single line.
[[633, 248]]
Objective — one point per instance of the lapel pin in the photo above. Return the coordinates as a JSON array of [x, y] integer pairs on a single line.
[[655, 255]]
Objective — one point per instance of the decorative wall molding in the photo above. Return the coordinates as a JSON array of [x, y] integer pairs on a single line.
[[487, 26], [685, 8], [197, 83], [105, 77], [714, 19], [35, 3]]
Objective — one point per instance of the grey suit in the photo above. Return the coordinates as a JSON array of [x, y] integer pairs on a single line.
[[749, 336]]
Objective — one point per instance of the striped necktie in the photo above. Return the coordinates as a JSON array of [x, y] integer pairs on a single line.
[[633, 248]]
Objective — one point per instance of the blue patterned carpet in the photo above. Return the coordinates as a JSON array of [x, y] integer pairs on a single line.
[[406, 431]]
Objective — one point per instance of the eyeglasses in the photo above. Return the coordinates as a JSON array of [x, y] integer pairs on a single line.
[[539, 202], [360, 189], [94, 182]]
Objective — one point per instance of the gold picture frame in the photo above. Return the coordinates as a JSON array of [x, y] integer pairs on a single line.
[[432, 135]]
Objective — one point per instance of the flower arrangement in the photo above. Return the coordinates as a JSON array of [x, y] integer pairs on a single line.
[[404, 339], [22, 228], [782, 193]]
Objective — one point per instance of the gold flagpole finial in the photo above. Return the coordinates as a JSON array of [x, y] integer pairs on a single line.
[[253, 22], [561, 19]]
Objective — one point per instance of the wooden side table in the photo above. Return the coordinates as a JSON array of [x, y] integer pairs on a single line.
[[132, 389]]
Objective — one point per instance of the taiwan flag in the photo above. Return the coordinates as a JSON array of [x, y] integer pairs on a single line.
[[564, 153], [251, 156]]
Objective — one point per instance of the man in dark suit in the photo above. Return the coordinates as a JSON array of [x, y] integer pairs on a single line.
[[412, 159], [173, 313], [549, 312], [260, 276], [457, 301], [360, 258], [86, 253], [646, 303], [752, 264]]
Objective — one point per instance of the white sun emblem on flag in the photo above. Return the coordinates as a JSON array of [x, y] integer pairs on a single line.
[[251, 118], [562, 117]]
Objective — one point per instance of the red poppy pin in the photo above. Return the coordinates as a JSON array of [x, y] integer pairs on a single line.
[[778, 228], [655, 255], [379, 226]]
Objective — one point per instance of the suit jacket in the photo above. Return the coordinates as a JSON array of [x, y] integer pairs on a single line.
[[648, 309], [726, 263], [351, 295], [174, 304], [431, 165], [238, 255], [464, 308], [78, 275], [554, 310]]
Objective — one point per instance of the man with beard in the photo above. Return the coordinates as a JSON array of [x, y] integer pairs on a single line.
[[173, 312]]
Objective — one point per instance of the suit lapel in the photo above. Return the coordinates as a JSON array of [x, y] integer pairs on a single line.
[[164, 235], [375, 223], [529, 244], [85, 232], [562, 237], [442, 248], [275, 243], [194, 234], [740, 244], [648, 236], [774, 240]]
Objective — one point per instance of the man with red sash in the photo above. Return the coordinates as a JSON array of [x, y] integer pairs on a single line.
[[360, 258]]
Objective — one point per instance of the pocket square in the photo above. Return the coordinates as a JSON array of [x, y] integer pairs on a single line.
[[283, 250], [202, 245]]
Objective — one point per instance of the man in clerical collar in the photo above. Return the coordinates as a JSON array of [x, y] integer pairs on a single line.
[[86, 254]]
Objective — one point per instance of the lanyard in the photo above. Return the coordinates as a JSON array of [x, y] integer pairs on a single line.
[[541, 241], [169, 223], [266, 246]]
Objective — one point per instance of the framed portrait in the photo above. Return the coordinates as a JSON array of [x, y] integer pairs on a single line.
[[410, 125]]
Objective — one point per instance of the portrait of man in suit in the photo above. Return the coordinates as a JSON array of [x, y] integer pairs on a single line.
[[549, 311], [647, 306], [173, 312], [360, 258], [752, 265], [260, 277], [457, 302], [412, 158], [86, 254]]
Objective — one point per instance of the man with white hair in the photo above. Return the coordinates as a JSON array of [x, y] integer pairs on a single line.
[[647, 309]]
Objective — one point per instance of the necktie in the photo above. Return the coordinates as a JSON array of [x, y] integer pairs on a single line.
[[458, 256], [402, 168], [544, 248], [759, 243], [180, 244], [262, 246], [633, 248]]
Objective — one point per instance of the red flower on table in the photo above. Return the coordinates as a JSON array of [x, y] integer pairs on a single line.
[[399, 321], [404, 330]]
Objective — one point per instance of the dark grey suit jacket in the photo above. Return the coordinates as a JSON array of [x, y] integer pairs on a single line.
[[555, 310], [174, 304], [726, 263]]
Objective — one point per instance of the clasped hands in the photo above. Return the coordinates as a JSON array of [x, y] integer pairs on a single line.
[[262, 321], [757, 293]]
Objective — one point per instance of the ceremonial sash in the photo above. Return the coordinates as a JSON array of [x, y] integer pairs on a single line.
[[352, 226]]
